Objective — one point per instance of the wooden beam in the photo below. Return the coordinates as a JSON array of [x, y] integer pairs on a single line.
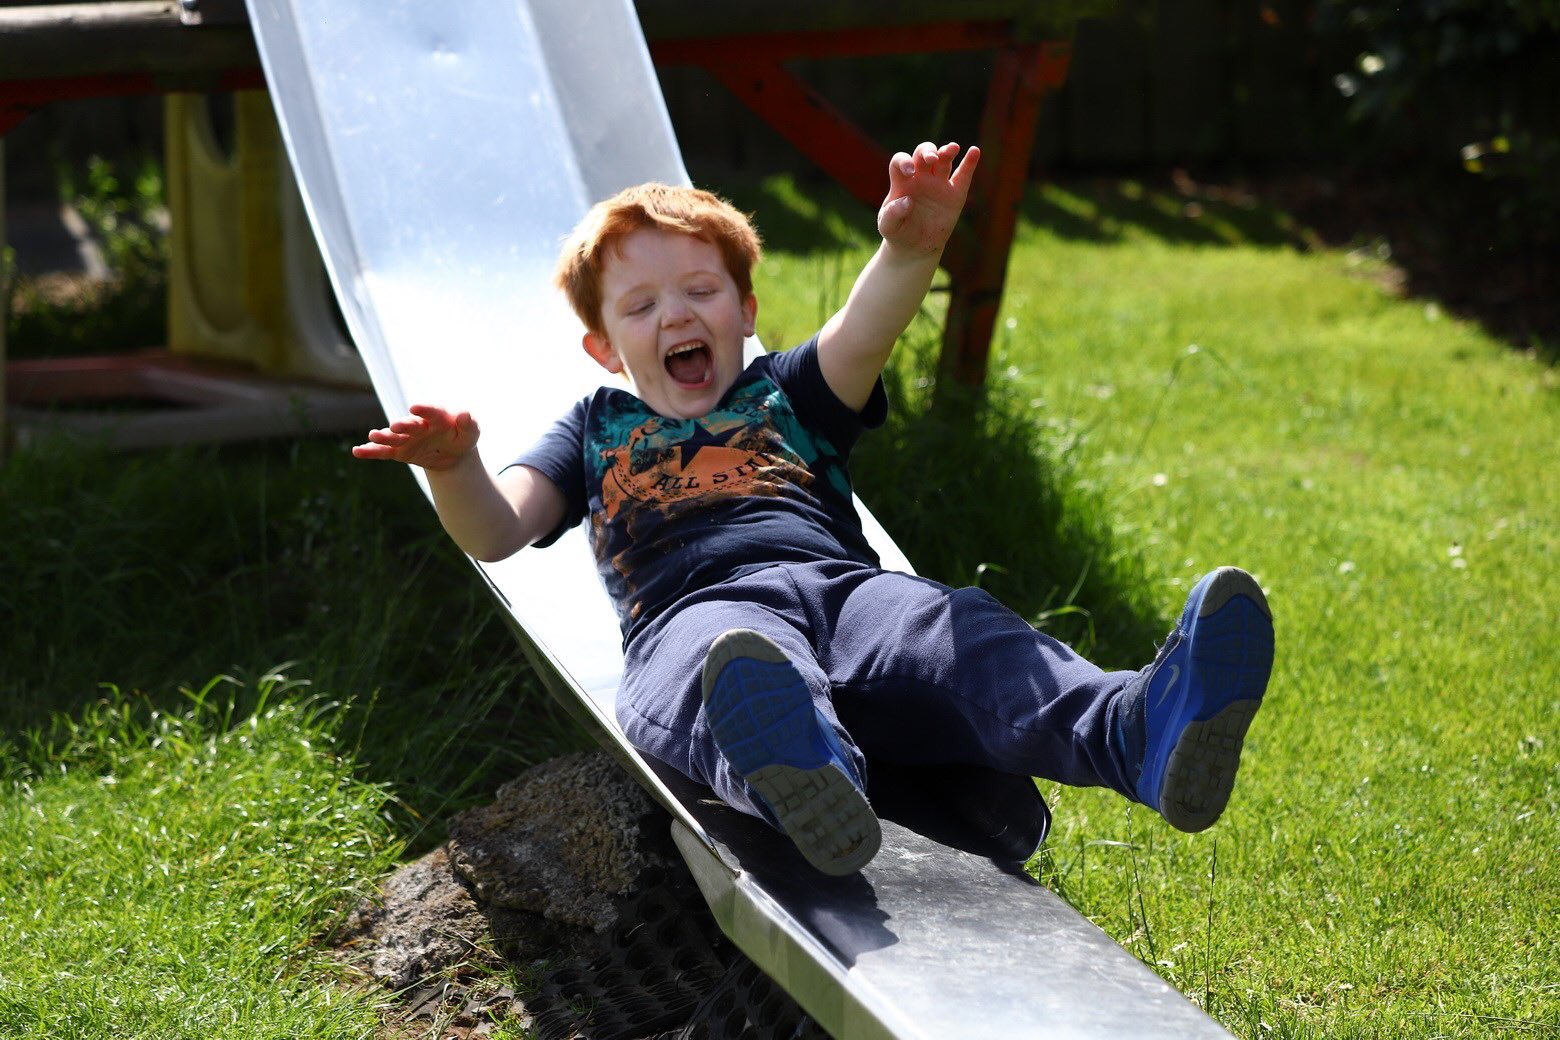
[[148, 37], [1007, 135], [703, 19], [814, 126], [842, 43]]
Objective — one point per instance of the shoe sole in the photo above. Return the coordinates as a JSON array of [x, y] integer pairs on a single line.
[[1232, 651], [764, 721]]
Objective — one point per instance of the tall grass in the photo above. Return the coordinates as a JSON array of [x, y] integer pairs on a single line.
[[166, 873], [157, 571]]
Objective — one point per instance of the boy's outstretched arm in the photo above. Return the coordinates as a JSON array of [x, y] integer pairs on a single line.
[[926, 194], [489, 517]]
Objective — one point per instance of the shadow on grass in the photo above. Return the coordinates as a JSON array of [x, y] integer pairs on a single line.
[[809, 214], [797, 214], [976, 493], [1441, 237], [1175, 210], [1449, 237], [162, 570]]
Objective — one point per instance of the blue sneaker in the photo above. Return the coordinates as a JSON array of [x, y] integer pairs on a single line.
[[762, 717], [1201, 693]]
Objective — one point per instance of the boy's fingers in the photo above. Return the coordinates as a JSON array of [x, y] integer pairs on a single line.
[[945, 156], [433, 416], [965, 171], [894, 215]]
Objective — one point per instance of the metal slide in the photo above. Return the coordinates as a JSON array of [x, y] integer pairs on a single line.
[[443, 151]]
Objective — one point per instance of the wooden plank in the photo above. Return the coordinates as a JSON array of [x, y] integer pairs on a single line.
[[1007, 134], [811, 124], [700, 19], [841, 43], [145, 37]]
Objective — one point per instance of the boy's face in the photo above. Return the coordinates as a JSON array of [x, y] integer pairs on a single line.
[[673, 320]]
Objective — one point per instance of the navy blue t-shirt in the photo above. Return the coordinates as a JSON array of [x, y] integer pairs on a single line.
[[681, 504]]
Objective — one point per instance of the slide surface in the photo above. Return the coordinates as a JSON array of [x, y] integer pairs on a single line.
[[443, 151]]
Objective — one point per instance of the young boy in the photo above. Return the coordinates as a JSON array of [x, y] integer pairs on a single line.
[[766, 654]]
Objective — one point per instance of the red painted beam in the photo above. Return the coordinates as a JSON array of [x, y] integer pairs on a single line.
[[977, 256], [826, 136], [1019, 82], [806, 119], [19, 97], [840, 43]]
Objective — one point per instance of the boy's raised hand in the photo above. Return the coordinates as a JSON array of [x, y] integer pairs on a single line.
[[926, 194], [429, 437]]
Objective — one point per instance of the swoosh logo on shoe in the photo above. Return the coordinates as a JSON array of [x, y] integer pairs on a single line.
[[1175, 675]]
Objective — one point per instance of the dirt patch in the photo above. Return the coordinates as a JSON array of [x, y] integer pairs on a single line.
[[562, 909]]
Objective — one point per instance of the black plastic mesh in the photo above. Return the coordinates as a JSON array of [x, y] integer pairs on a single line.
[[666, 973], [748, 1003]]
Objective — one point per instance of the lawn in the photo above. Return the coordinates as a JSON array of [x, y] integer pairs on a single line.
[[1388, 472], [1168, 392]]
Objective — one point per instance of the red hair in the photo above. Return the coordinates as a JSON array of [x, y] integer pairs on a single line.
[[688, 211]]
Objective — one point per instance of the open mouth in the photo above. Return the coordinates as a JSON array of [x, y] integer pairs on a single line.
[[691, 365]]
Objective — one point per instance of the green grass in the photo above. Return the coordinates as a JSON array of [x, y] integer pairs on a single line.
[[1215, 395], [167, 875], [159, 570], [171, 859], [1385, 869]]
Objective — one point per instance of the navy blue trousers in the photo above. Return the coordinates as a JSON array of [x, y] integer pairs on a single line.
[[905, 669]]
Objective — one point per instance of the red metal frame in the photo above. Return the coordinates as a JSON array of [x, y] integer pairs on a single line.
[[977, 256], [836, 43], [1022, 76], [18, 98]]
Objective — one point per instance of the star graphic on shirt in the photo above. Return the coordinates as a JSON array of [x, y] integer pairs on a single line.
[[703, 438]]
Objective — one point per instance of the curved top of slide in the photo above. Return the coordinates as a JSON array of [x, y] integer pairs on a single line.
[[443, 150]]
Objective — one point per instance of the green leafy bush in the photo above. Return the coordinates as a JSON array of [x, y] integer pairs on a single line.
[[123, 205], [1469, 82]]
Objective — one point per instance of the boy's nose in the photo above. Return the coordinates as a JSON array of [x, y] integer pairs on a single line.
[[676, 312]]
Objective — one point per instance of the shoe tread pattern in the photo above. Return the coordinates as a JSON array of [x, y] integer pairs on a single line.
[[762, 716], [1233, 651]]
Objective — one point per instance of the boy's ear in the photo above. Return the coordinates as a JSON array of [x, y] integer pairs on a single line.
[[749, 315], [601, 351]]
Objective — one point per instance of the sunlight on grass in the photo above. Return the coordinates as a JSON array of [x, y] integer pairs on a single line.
[[1170, 390], [167, 875], [1389, 475], [1388, 472]]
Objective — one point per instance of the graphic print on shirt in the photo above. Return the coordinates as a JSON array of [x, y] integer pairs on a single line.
[[653, 470], [752, 445]]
